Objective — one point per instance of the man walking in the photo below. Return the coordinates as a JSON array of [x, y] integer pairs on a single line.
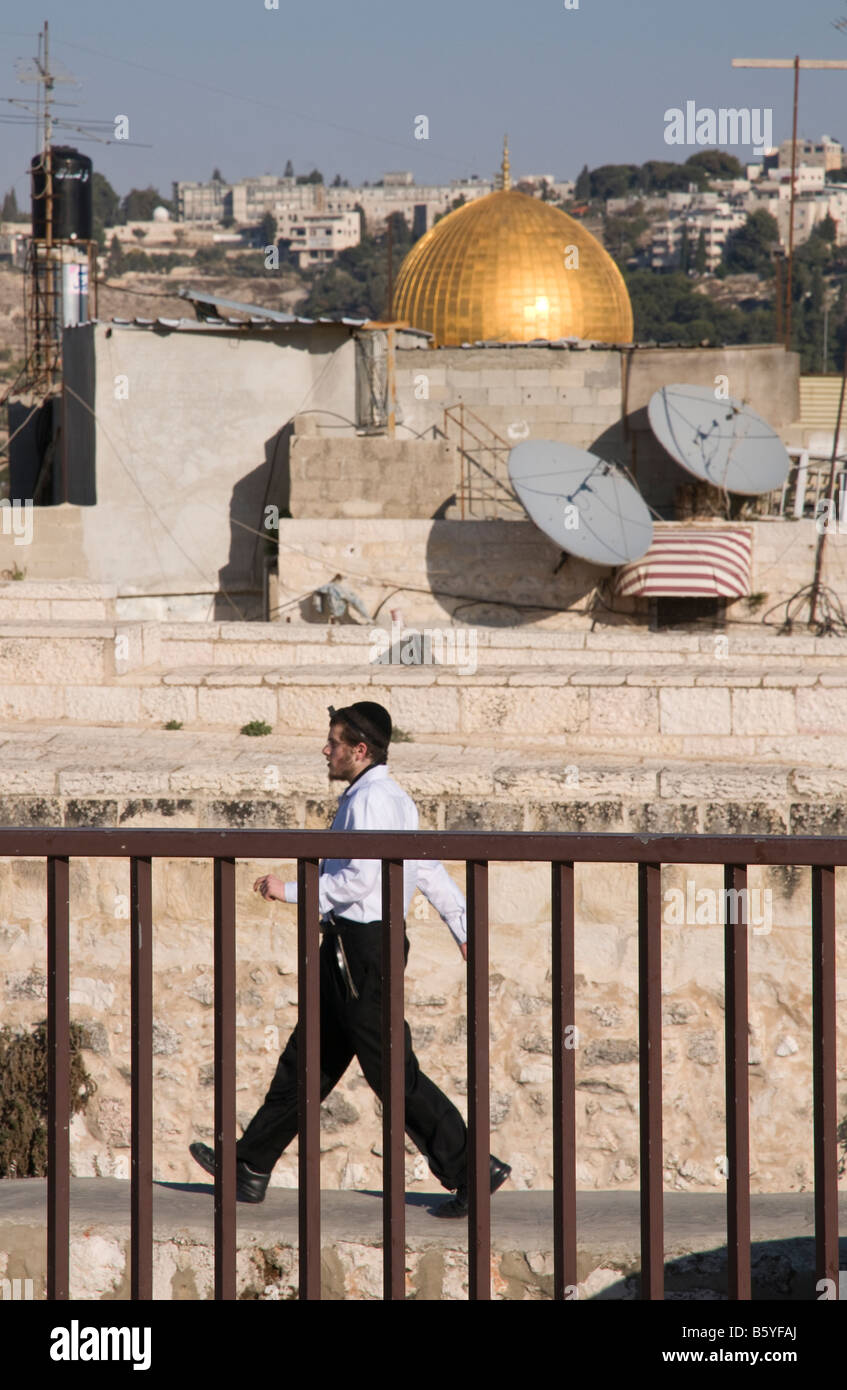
[[350, 900]]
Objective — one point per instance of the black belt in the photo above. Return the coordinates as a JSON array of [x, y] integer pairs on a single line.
[[330, 922]]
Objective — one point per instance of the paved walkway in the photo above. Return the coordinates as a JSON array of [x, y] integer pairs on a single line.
[[608, 1230]]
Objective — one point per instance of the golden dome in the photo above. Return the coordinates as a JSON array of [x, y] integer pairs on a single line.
[[510, 268]]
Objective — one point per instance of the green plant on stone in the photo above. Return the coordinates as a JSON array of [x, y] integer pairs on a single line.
[[257, 728], [174, 724]]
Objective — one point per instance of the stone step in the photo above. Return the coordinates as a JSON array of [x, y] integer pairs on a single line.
[[75, 642], [77, 760], [55, 600], [717, 711]]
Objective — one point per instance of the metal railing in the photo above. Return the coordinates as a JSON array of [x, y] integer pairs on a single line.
[[562, 852], [485, 488]]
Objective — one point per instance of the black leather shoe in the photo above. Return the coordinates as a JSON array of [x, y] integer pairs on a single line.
[[249, 1186], [458, 1205]]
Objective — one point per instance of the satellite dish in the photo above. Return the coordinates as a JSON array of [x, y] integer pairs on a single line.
[[720, 442], [581, 502]]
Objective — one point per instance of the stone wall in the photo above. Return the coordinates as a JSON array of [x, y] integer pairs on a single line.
[[520, 1000], [370, 477], [593, 398], [507, 573]]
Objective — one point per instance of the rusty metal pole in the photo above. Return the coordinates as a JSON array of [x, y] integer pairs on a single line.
[[824, 530], [791, 209]]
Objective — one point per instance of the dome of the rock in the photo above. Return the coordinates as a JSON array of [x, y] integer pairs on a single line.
[[509, 267]]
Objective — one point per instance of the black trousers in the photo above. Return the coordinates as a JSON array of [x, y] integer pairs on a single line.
[[352, 1027]]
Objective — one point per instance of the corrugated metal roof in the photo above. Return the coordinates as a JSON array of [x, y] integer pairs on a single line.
[[256, 313]]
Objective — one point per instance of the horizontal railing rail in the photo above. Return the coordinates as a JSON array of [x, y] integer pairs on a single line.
[[477, 849]]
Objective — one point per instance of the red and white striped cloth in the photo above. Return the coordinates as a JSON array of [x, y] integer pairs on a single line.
[[690, 562]]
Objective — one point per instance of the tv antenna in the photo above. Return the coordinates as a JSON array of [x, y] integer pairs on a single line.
[[796, 64]]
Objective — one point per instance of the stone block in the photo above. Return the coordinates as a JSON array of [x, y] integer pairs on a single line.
[[822, 709], [162, 703], [45, 657], [236, 705], [176, 652], [627, 708], [542, 710], [744, 818], [88, 704], [697, 711], [601, 416], [723, 782], [535, 376], [763, 712], [540, 395]]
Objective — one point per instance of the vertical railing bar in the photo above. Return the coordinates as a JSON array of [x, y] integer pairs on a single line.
[[141, 988], [565, 1041], [650, 1078], [58, 1078], [824, 1075], [736, 991], [309, 1078], [393, 1083], [225, 1179], [479, 1194]]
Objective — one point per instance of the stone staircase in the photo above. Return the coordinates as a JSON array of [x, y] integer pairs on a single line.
[[747, 694]]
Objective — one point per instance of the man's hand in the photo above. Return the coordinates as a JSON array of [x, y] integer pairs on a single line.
[[464, 950], [270, 887]]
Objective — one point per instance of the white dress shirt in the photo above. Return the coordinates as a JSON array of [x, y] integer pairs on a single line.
[[352, 888]]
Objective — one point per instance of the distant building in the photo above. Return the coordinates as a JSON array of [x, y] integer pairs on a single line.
[[825, 153], [316, 238], [814, 202], [247, 201], [712, 216]]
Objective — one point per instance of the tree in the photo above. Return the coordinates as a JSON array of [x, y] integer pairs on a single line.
[[663, 176], [667, 308], [356, 283], [209, 257], [115, 259], [685, 249], [456, 203], [289, 170], [582, 187], [139, 203], [315, 177], [217, 176], [267, 230], [700, 259], [105, 203], [747, 250], [614, 180], [717, 164], [10, 211], [826, 229], [621, 234]]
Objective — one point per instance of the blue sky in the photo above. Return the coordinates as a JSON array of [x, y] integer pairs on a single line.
[[339, 85]]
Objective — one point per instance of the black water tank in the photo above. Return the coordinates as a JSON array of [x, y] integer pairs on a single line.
[[72, 173]]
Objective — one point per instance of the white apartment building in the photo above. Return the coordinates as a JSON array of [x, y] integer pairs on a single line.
[[316, 238], [247, 201], [715, 219], [813, 202]]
